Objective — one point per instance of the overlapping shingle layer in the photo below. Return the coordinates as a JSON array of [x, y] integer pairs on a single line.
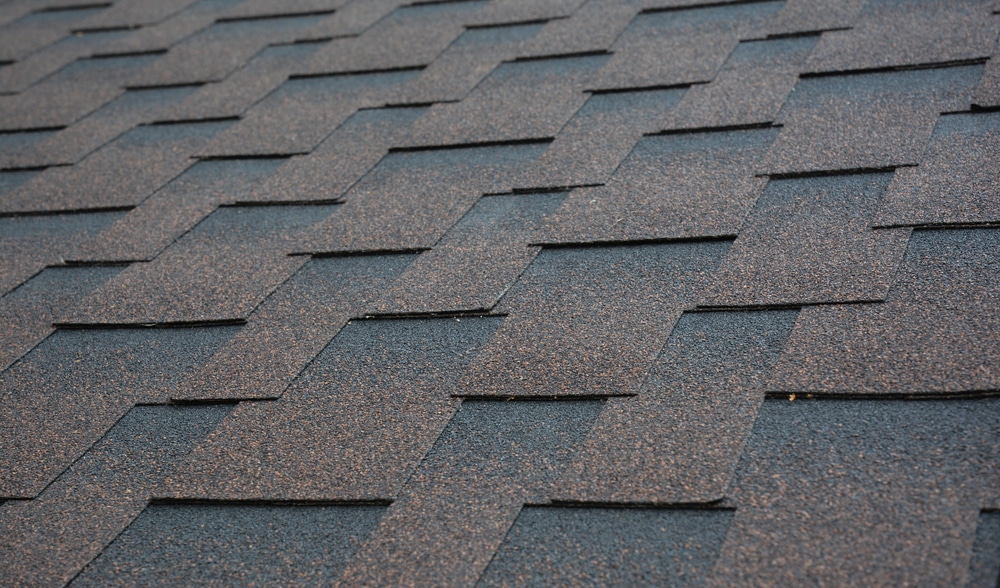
[[499, 292]]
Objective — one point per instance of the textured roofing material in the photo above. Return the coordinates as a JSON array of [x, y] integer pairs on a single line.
[[499, 292]]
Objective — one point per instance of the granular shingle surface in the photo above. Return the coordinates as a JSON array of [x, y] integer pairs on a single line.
[[499, 292]]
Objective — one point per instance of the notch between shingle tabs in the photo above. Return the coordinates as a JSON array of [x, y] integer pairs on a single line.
[[61, 212], [799, 34], [833, 172], [278, 16], [164, 325], [361, 252], [893, 68], [634, 242], [71, 7], [529, 58], [714, 505], [99, 56], [281, 502], [722, 129], [541, 397], [798, 396], [504, 25], [720, 4], [357, 72], [117, 29], [457, 315], [511, 143]]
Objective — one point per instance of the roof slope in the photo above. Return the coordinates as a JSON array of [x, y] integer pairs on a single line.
[[499, 292]]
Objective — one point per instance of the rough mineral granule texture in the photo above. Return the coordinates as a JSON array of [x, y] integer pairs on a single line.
[[954, 182], [589, 321], [934, 332], [609, 547], [492, 458], [354, 425], [174, 545], [808, 241], [92, 379], [912, 474], [678, 441], [48, 540], [670, 186]]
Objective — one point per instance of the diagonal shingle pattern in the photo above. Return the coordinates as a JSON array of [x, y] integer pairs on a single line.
[[499, 292]]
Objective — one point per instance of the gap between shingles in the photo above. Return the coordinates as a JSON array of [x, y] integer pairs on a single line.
[[894, 68], [37, 213], [154, 325], [277, 16], [359, 72], [169, 501], [454, 146], [833, 172], [793, 396], [634, 242], [722, 129], [714, 505], [719, 4]]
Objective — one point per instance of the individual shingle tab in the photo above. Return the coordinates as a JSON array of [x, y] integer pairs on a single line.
[[73, 143], [40, 28], [680, 46], [808, 241], [801, 16], [71, 93], [865, 121], [749, 89], [342, 159], [29, 243], [512, 11], [133, 14], [219, 271], [408, 37], [955, 182], [467, 61], [471, 267], [220, 49], [592, 27], [292, 326], [28, 312], [303, 111], [599, 136], [491, 459], [145, 231], [47, 541], [933, 334], [909, 32], [412, 198], [590, 321], [679, 440], [353, 426], [609, 547], [40, 65], [91, 379], [911, 474], [161, 36], [351, 19], [670, 186], [519, 100], [234, 95], [196, 544], [122, 173]]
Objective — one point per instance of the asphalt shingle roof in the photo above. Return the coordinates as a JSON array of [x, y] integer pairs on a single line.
[[499, 292]]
